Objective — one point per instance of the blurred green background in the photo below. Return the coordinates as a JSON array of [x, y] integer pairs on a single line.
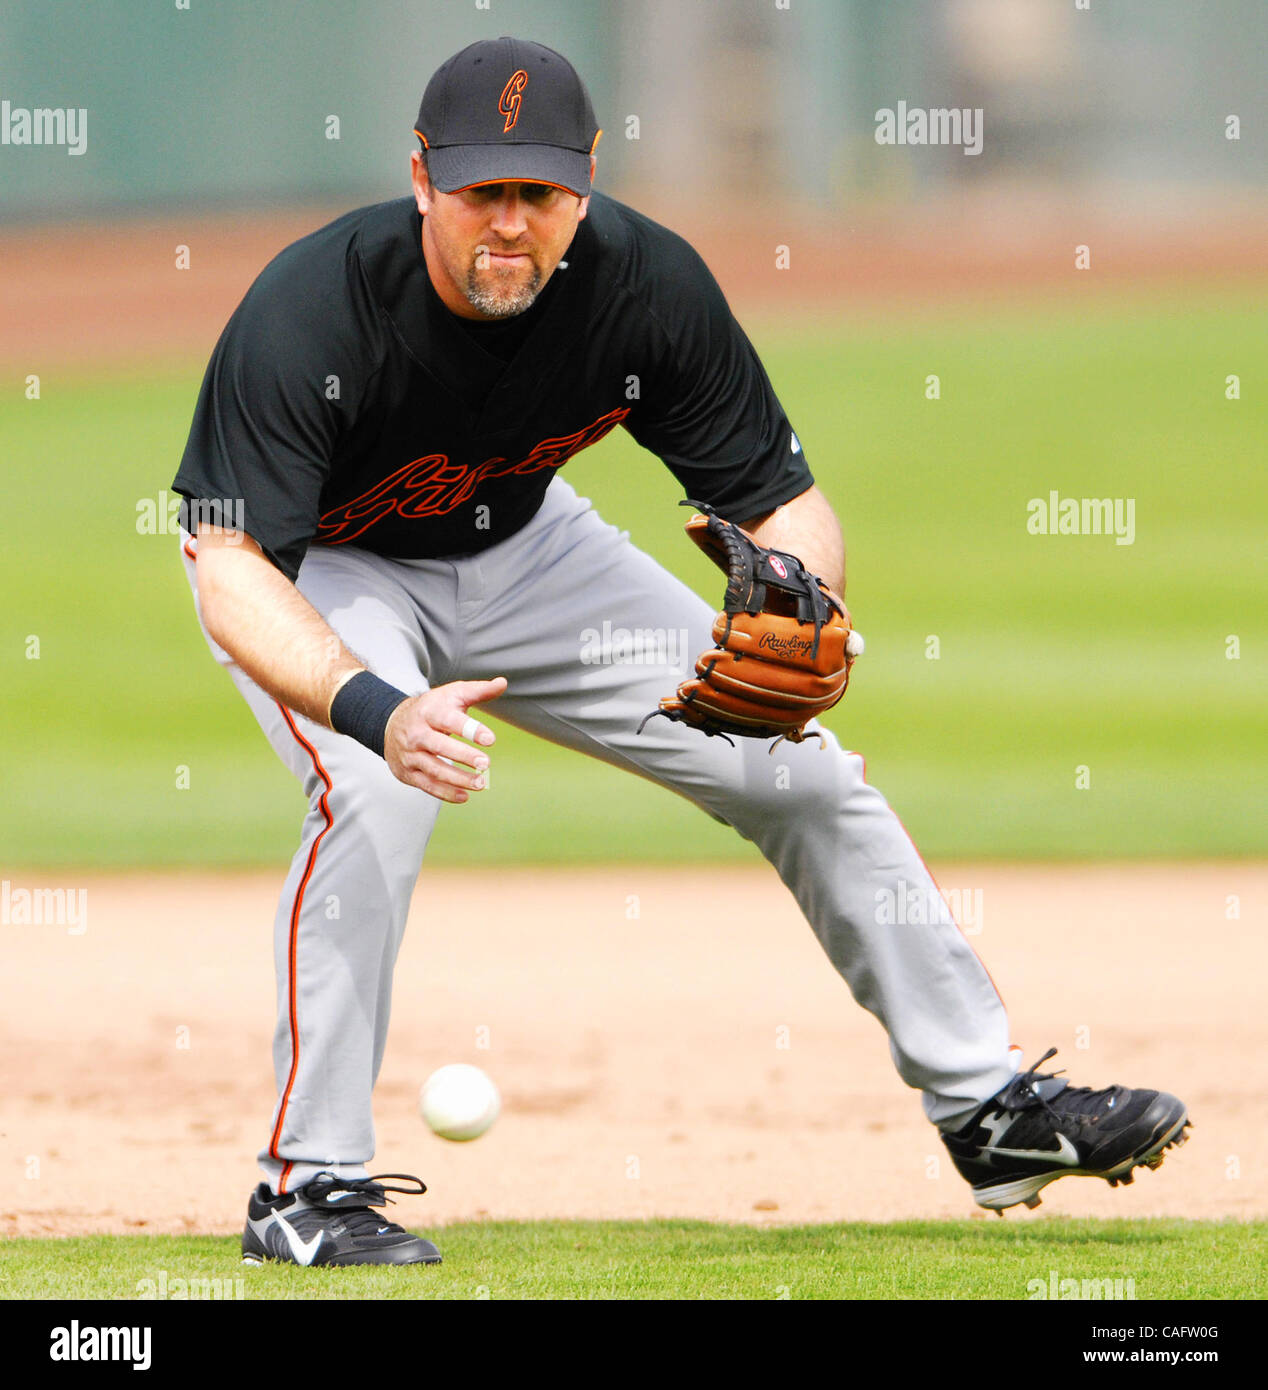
[[744, 126], [1055, 651]]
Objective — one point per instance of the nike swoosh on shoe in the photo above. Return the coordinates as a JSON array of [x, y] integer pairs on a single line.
[[1065, 1154], [303, 1251]]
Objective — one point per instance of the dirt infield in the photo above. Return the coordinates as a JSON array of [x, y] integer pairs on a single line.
[[651, 1064], [111, 294]]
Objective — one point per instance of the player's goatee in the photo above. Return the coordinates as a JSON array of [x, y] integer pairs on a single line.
[[501, 301]]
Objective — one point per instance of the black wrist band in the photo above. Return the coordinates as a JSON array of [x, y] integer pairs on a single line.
[[362, 708]]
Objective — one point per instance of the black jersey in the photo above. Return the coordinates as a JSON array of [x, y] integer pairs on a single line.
[[344, 404]]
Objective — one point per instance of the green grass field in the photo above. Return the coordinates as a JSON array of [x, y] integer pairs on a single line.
[[1055, 651], [687, 1259]]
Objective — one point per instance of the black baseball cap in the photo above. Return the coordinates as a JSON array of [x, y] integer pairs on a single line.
[[507, 109]]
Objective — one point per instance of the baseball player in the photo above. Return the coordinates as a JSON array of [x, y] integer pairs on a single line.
[[380, 544]]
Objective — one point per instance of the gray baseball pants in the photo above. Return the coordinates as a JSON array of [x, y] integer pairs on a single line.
[[521, 609]]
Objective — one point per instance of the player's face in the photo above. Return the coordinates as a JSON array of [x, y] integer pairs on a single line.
[[491, 249]]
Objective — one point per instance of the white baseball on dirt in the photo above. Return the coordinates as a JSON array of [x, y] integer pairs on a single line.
[[459, 1102]]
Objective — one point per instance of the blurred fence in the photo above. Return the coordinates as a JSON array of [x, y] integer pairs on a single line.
[[193, 102]]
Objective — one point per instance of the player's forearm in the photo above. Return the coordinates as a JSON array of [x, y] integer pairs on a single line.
[[808, 528], [269, 628]]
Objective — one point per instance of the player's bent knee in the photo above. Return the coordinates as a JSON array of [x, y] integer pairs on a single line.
[[798, 795], [804, 785], [363, 789]]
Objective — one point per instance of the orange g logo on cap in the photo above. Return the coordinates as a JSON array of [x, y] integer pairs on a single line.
[[480, 127], [509, 102]]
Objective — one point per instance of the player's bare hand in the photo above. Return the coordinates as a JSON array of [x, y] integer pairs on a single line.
[[423, 744]]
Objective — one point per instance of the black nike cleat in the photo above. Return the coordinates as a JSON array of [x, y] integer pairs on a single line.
[[332, 1221], [1040, 1128]]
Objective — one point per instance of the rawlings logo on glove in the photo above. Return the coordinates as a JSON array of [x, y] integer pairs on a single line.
[[785, 647], [784, 642]]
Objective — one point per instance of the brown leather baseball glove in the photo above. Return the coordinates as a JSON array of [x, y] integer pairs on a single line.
[[784, 642]]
